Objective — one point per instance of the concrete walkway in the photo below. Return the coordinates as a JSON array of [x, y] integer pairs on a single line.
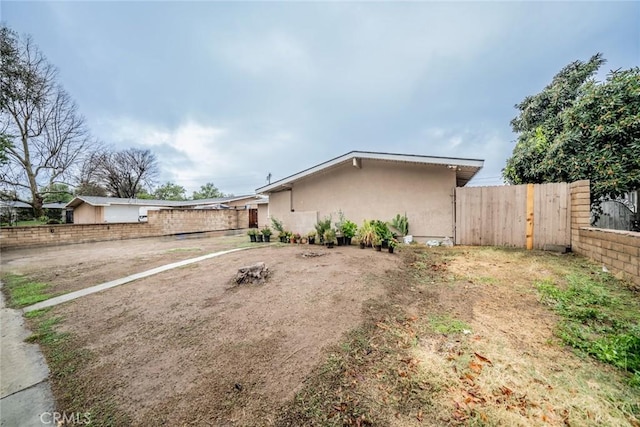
[[24, 388], [25, 393], [107, 285]]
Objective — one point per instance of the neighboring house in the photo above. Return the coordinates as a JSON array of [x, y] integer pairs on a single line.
[[96, 210], [368, 185], [13, 211]]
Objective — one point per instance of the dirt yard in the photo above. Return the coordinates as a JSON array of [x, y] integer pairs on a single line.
[[72, 267], [187, 347], [351, 337]]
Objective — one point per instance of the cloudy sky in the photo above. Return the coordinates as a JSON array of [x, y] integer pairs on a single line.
[[227, 92]]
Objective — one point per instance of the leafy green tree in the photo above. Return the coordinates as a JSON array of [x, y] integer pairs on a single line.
[[578, 128], [540, 122], [56, 193], [208, 191], [170, 191]]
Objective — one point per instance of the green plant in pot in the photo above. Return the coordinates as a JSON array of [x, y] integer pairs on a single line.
[[252, 232], [349, 229], [382, 231], [365, 234], [311, 237], [377, 242], [330, 238], [322, 226], [296, 238], [266, 233], [393, 243]]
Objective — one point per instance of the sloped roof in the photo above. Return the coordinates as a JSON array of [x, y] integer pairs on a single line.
[[465, 168], [109, 201], [14, 204]]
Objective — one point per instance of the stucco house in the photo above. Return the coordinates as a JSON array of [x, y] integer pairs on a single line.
[[370, 185], [97, 210]]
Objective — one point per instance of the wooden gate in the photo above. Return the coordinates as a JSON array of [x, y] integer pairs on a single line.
[[514, 215]]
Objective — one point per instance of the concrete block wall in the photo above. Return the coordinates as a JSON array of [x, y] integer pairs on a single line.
[[617, 250], [52, 235], [160, 223]]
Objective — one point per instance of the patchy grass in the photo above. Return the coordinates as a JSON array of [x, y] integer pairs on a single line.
[[65, 358], [444, 324], [20, 291], [600, 317], [447, 346]]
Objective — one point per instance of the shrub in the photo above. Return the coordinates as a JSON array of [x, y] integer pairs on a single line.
[[322, 226]]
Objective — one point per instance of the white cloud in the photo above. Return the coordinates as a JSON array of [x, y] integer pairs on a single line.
[[192, 153]]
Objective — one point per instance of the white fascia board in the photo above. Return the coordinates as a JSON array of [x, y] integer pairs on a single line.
[[285, 182]]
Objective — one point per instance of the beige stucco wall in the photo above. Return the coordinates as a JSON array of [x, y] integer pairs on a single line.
[[378, 190], [87, 214], [263, 215]]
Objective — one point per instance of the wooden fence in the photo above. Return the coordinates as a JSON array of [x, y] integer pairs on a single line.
[[529, 216]]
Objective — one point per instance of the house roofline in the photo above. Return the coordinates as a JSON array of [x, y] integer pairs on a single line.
[[372, 155]]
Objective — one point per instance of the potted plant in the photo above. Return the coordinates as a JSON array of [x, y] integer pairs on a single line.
[[330, 238], [252, 234], [393, 243], [284, 238], [259, 237], [382, 231], [311, 237], [339, 237], [321, 227], [365, 234], [296, 238], [266, 233], [348, 231], [377, 242]]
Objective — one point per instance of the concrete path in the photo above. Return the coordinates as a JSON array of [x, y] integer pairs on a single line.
[[25, 393], [97, 288]]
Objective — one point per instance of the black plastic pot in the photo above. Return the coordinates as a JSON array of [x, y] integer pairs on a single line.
[[330, 245], [312, 240], [362, 245], [267, 238], [378, 248], [347, 241], [252, 237], [341, 241], [259, 238], [385, 244], [390, 249]]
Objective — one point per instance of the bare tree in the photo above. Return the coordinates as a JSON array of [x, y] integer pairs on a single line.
[[46, 135], [122, 173]]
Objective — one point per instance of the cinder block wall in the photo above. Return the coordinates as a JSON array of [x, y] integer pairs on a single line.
[[618, 250], [160, 223]]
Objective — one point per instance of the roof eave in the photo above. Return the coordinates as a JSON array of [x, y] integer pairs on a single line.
[[287, 182]]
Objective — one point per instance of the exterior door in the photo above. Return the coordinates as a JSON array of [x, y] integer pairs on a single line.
[[253, 218]]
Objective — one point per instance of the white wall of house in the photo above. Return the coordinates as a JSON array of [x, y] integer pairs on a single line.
[[377, 190]]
